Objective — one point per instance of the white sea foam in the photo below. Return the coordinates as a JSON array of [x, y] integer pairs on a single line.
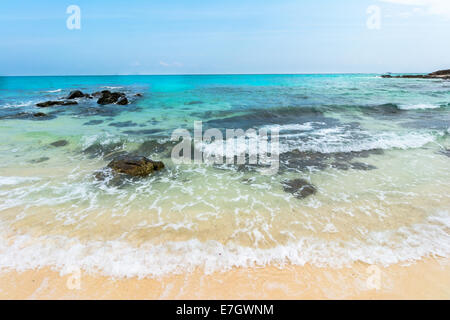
[[338, 139], [326, 140], [307, 126], [421, 106], [53, 91], [16, 180], [18, 105], [120, 259], [112, 88]]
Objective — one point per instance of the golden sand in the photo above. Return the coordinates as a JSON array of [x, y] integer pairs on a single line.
[[427, 279]]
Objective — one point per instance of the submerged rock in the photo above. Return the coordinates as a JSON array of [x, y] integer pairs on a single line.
[[59, 143], [362, 166], [135, 165], [190, 103], [55, 103], [39, 115], [123, 124], [40, 160], [153, 146], [300, 188], [304, 160], [445, 152], [93, 122], [98, 149]]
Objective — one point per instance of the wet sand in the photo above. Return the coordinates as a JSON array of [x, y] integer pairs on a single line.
[[426, 279]]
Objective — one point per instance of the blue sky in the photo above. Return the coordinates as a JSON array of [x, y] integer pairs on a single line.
[[245, 36]]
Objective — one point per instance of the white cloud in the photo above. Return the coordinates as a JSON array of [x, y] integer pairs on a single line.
[[430, 7]]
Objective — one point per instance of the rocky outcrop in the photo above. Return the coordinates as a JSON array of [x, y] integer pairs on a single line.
[[47, 104], [441, 74], [76, 94], [108, 97], [136, 166]]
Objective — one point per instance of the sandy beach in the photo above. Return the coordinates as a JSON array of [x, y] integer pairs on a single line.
[[426, 279]]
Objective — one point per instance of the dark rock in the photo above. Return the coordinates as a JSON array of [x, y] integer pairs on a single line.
[[138, 95], [108, 97], [55, 103], [440, 73], [59, 143], [123, 101], [137, 166], [39, 115], [299, 188], [75, 94]]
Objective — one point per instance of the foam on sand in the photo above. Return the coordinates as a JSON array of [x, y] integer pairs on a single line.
[[120, 259]]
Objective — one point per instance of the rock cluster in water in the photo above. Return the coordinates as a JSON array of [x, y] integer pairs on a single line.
[[441, 74], [105, 97], [108, 97]]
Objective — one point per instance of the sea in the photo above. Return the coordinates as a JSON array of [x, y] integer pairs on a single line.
[[363, 174]]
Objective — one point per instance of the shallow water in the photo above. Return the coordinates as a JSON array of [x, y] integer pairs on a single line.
[[376, 151]]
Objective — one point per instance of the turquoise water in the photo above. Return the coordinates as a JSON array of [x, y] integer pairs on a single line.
[[375, 150]]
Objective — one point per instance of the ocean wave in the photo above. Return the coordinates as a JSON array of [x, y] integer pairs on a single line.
[[421, 106], [53, 91], [120, 259], [333, 140], [336, 139], [307, 126]]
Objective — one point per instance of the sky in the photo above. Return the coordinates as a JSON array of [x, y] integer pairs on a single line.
[[224, 36]]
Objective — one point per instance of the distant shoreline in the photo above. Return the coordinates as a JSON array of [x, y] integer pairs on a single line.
[[212, 74]]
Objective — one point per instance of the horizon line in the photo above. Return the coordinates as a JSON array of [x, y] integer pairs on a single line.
[[205, 74]]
